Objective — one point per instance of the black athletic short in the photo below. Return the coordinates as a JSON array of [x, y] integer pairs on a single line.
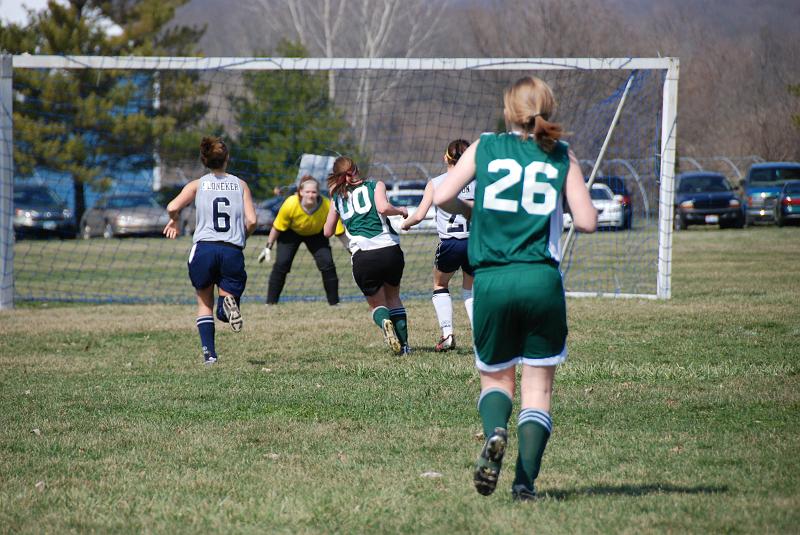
[[372, 269]]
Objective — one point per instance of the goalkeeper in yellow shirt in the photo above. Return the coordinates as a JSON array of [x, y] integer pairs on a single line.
[[300, 220]]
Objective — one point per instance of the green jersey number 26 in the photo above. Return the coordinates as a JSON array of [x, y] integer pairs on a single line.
[[547, 197]]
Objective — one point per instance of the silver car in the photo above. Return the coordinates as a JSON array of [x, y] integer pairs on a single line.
[[134, 214]]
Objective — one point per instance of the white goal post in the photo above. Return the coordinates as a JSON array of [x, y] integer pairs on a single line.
[[662, 157]]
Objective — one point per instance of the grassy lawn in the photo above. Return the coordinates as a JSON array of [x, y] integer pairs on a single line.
[[670, 416]]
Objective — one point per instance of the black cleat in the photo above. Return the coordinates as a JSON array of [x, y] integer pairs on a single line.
[[487, 467]]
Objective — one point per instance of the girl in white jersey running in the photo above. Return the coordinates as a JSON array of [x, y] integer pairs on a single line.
[[451, 253], [225, 217]]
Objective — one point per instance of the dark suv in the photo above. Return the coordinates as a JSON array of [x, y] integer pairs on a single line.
[[762, 185], [704, 198]]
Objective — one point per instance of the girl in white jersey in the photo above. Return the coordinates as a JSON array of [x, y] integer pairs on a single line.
[[451, 253], [225, 217], [520, 313]]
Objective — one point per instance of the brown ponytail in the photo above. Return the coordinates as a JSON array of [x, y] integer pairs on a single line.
[[342, 174], [454, 150], [213, 152], [528, 104]]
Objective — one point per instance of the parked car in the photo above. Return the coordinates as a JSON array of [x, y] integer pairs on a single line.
[[38, 211], [411, 199], [618, 187], [264, 216], [762, 185], [405, 185], [787, 207], [703, 198], [131, 214], [188, 217], [610, 210]]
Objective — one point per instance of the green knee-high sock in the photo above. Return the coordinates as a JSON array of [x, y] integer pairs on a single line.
[[494, 406], [379, 314], [533, 430], [400, 321]]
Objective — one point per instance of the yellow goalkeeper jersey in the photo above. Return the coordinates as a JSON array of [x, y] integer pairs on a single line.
[[291, 216]]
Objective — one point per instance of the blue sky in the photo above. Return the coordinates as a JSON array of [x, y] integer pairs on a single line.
[[14, 10]]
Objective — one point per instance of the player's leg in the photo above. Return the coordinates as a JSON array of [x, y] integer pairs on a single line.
[[287, 246], [382, 318], [499, 343], [205, 323], [466, 292], [320, 248], [394, 263], [369, 279], [204, 274], [397, 313], [233, 279], [443, 305], [494, 407], [545, 347], [533, 428]]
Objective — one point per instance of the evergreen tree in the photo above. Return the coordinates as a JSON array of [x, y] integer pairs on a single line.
[[97, 124], [286, 114]]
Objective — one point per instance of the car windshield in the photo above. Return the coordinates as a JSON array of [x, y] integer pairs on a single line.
[[132, 202], [774, 175], [600, 194], [36, 197], [793, 188], [406, 200], [704, 184]]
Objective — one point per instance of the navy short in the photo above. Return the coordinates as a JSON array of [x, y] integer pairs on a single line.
[[451, 254], [374, 268], [217, 263]]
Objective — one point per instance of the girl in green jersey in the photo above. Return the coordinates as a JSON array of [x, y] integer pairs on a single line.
[[519, 313], [377, 259]]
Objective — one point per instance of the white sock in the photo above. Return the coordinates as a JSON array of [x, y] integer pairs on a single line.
[[443, 305], [467, 296]]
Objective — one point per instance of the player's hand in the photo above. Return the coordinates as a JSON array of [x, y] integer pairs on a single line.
[[171, 229], [403, 211], [265, 256], [406, 224]]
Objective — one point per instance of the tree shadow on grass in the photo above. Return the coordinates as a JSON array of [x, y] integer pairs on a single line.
[[630, 490]]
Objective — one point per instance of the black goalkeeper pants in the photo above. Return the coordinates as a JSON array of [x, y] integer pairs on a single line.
[[319, 247]]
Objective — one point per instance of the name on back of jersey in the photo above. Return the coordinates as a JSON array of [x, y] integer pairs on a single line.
[[220, 186]]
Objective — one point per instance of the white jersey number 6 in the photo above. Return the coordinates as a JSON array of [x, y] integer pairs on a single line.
[[530, 187]]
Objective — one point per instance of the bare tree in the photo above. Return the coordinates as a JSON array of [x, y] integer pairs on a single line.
[[361, 28]]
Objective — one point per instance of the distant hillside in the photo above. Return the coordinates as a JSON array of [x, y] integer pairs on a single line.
[[240, 31]]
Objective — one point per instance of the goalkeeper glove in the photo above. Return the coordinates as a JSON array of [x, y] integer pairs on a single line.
[[266, 255]]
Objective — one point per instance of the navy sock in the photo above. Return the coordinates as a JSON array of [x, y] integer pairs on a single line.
[[205, 325]]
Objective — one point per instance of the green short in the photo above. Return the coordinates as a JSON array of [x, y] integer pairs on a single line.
[[520, 316]]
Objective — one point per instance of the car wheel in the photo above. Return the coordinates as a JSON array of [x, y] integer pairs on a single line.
[[679, 223], [108, 231]]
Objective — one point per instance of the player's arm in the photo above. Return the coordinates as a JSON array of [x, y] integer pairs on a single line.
[[383, 205], [330, 223], [446, 195], [250, 217], [584, 214], [422, 209], [182, 200]]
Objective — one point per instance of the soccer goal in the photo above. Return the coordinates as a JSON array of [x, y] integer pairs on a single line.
[[91, 145]]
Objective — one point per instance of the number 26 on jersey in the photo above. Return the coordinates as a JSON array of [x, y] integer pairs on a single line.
[[547, 194]]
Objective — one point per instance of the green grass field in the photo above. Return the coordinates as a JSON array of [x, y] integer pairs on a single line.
[[670, 416]]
